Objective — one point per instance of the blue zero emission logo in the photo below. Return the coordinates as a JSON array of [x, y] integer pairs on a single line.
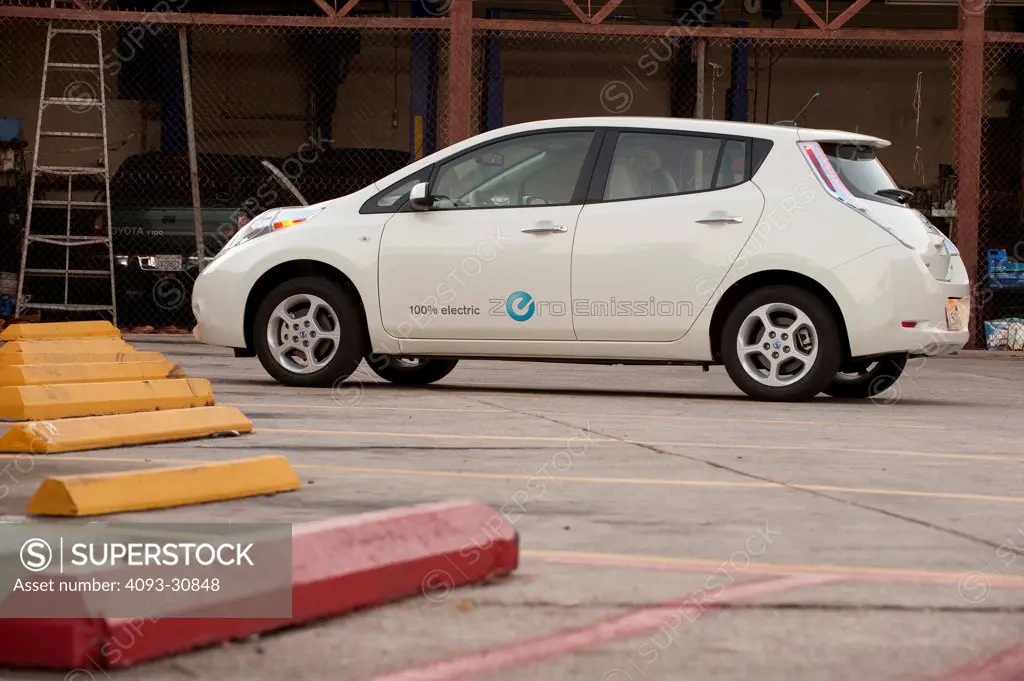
[[520, 306]]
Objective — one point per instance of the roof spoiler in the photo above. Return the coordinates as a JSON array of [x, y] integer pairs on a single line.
[[842, 137]]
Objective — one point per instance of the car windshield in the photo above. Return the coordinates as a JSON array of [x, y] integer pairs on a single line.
[[862, 173]]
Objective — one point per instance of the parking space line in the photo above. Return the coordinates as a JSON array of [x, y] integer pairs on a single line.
[[561, 391], [577, 440], [362, 470], [432, 436], [704, 565], [725, 484], [721, 484], [625, 626], [337, 407], [553, 392], [648, 417]]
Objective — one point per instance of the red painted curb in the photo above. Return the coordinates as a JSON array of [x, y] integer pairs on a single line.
[[1007, 665], [338, 565]]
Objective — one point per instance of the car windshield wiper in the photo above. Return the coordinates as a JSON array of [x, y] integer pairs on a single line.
[[901, 195]]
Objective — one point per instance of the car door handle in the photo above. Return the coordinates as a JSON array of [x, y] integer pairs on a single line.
[[545, 227], [721, 219]]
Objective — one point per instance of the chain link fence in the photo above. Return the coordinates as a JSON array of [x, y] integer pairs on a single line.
[[284, 116], [1000, 232]]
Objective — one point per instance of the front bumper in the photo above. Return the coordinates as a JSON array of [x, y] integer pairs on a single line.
[[891, 287], [218, 307]]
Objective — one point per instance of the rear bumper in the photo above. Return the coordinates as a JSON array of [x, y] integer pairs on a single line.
[[891, 286], [148, 295]]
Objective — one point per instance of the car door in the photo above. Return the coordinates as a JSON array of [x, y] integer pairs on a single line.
[[665, 218], [490, 260]]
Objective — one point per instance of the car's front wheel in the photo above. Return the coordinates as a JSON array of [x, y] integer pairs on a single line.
[[781, 344], [867, 379], [409, 370], [308, 333]]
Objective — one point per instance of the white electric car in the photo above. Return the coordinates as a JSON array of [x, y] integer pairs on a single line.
[[786, 254]]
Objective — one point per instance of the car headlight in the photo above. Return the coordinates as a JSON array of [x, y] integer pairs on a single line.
[[270, 221]]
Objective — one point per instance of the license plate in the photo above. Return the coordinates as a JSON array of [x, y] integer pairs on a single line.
[[957, 313], [165, 263]]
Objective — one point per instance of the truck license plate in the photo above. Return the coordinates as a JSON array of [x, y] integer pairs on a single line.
[[957, 312], [165, 263]]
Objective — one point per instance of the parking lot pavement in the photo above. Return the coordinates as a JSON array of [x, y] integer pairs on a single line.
[[833, 540]]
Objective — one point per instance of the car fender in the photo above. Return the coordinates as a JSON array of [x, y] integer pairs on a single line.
[[778, 265], [350, 250]]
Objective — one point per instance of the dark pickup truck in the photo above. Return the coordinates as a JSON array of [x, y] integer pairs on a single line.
[[153, 232]]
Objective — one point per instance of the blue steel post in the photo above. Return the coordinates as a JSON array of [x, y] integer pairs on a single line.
[[172, 93], [423, 83], [494, 86], [736, 99]]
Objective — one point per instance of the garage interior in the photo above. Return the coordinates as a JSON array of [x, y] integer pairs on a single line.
[[336, 95]]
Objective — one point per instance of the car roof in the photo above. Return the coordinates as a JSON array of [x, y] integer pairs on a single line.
[[774, 132]]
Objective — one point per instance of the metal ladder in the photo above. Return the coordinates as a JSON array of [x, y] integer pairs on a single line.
[[40, 168]]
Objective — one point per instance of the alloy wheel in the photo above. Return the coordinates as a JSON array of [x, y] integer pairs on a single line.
[[303, 333], [777, 344]]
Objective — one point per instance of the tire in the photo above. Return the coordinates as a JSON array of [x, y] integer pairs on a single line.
[[337, 320], [864, 380], [408, 371], [804, 365]]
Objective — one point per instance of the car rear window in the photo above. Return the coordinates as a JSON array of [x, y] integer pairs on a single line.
[[861, 171]]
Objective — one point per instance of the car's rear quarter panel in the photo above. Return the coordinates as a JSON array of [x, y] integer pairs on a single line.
[[803, 231]]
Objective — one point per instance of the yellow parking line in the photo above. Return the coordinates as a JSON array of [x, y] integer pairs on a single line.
[[337, 407], [629, 560], [557, 391], [669, 482], [363, 470], [431, 436], [648, 417], [551, 392], [720, 484], [582, 440]]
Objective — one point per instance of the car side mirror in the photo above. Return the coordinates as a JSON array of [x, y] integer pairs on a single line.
[[419, 199]]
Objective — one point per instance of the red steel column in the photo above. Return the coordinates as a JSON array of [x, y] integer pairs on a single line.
[[460, 70], [970, 80]]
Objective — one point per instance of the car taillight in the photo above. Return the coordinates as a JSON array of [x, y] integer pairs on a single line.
[[823, 170]]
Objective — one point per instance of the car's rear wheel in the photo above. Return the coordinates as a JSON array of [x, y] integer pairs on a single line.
[[781, 344], [410, 370], [308, 333], [866, 379]]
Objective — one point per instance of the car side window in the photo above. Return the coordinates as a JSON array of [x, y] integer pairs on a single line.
[[733, 168], [647, 165], [531, 170]]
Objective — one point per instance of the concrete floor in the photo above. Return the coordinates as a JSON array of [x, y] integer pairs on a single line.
[[855, 540]]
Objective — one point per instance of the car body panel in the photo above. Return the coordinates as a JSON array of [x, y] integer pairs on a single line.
[[456, 271], [636, 269]]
